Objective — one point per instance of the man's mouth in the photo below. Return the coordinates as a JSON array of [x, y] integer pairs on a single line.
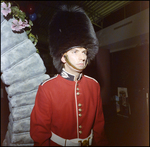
[[80, 64]]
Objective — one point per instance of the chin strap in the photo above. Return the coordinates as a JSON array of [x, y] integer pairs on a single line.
[[67, 60]]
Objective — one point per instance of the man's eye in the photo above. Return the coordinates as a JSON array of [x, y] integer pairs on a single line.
[[85, 52], [75, 51]]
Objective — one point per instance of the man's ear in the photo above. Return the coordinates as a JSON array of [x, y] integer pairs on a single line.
[[63, 59]]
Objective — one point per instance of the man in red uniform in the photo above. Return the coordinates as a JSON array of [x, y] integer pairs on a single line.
[[68, 107]]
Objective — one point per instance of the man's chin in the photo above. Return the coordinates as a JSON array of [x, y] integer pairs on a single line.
[[77, 69]]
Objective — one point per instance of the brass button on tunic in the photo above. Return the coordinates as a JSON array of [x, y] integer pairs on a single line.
[[79, 104], [80, 109], [80, 127], [80, 114], [78, 93]]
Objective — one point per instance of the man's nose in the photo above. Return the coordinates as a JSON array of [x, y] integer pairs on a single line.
[[82, 56]]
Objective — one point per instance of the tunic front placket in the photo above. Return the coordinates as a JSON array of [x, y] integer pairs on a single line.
[[78, 109]]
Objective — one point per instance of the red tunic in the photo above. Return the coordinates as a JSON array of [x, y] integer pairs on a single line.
[[69, 109]]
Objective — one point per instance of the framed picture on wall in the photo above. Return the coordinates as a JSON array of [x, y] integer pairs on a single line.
[[122, 103]]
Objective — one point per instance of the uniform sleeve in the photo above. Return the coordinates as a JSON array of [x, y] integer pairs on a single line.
[[99, 138], [41, 118]]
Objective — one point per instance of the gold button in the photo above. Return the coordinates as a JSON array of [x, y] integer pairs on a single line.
[[80, 109], [80, 114], [78, 93], [80, 132], [77, 88], [79, 104], [80, 126]]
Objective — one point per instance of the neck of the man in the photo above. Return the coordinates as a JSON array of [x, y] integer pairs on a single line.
[[73, 71], [76, 76]]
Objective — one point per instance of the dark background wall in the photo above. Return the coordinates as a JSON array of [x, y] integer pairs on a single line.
[[130, 69]]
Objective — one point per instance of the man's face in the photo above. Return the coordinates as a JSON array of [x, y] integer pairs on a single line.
[[77, 57]]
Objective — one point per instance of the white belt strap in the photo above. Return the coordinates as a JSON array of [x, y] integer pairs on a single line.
[[71, 142]]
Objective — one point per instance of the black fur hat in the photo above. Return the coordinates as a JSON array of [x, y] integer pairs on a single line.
[[71, 27]]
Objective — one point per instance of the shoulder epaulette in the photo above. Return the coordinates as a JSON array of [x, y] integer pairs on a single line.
[[48, 79], [91, 78]]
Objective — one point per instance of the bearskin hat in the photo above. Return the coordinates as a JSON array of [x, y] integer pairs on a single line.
[[71, 27]]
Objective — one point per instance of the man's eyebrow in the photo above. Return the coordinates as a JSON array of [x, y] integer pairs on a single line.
[[85, 50]]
